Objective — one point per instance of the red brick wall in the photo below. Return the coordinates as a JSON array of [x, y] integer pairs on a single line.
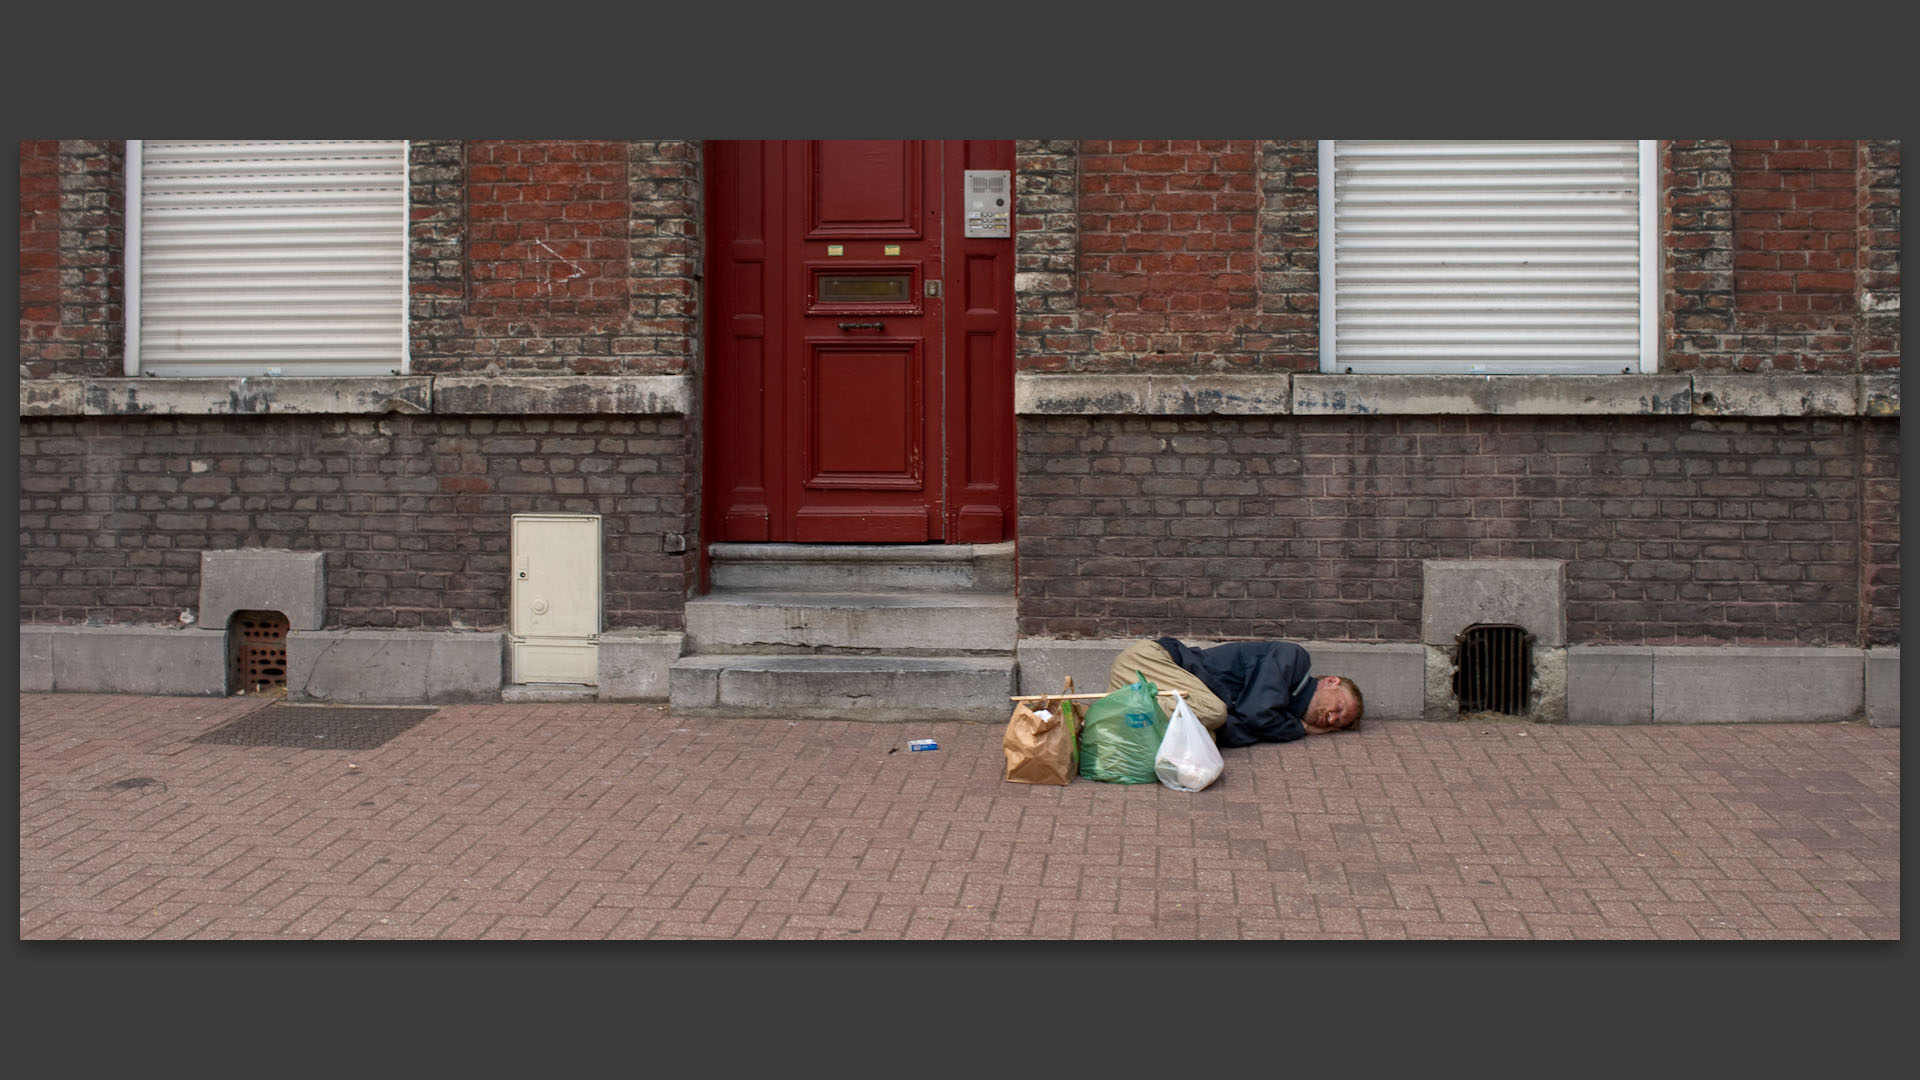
[[1203, 256], [547, 234], [72, 229], [1167, 255], [1167, 235], [555, 256], [39, 244], [1783, 255], [1795, 227], [542, 256]]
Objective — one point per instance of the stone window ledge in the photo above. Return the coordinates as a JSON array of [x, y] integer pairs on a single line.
[[1703, 394], [1034, 395], [462, 395]]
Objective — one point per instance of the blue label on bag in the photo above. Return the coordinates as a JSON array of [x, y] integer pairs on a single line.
[[1139, 719]]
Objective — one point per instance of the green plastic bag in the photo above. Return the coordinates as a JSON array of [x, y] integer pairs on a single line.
[[1122, 735]]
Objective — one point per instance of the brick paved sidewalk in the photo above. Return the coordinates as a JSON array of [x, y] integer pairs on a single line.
[[609, 821]]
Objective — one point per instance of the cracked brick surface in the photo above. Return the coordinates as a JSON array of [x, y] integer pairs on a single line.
[[555, 821]]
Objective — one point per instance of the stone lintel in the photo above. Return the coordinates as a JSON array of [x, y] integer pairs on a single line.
[[1313, 394], [294, 583], [1528, 593], [1488, 395], [1880, 395], [634, 395], [519, 395], [1206, 394], [1154, 395], [1775, 394], [220, 396]]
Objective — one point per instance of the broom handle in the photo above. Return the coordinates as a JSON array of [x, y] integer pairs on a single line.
[[1076, 697]]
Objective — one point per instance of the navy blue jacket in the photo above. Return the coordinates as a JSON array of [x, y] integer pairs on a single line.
[[1265, 684]]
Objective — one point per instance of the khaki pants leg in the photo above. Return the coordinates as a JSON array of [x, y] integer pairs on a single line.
[[1149, 659]]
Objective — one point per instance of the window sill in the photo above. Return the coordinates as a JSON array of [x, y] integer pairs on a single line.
[[1307, 394], [463, 395]]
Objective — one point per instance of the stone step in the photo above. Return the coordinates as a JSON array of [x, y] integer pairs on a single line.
[[844, 687], [947, 622], [515, 693], [986, 568]]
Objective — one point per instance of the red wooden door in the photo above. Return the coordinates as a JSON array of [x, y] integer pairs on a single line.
[[859, 368]]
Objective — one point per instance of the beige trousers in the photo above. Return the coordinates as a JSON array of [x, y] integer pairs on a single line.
[[1149, 659]]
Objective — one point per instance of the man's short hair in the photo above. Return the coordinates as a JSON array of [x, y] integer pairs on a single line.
[[1359, 703]]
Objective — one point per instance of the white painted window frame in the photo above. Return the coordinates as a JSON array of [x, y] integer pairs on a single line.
[[1649, 268], [131, 278]]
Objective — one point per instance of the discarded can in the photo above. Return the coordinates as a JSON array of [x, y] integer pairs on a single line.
[[923, 744]]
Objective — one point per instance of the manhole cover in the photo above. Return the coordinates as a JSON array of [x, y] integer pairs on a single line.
[[316, 727]]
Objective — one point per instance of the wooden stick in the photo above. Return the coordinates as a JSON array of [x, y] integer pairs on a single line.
[[1075, 697]]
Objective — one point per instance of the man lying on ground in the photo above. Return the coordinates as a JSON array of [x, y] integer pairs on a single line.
[[1245, 691]]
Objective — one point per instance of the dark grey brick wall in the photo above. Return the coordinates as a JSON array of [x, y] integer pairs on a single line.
[[1880, 539], [412, 511], [1674, 532]]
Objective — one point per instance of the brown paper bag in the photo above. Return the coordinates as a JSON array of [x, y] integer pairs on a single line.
[[1040, 749]]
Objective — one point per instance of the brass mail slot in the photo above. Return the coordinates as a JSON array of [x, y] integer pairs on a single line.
[[863, 288]]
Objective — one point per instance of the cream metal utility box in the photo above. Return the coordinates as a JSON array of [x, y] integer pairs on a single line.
[[555, 598]]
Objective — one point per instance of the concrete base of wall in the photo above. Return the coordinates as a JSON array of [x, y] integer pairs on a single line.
[[1548, 699], [1883, 687], [123, 660], [1653, 684], [634, 664], [1609, 684], [393, 667], [1582, 684], [385, 667]]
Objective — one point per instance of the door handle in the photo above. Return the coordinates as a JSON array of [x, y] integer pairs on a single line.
[[863, 326]]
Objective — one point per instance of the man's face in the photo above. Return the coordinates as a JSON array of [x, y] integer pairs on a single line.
[[1331, 709]]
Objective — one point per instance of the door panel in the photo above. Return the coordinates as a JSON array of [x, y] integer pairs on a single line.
[[979, 369], [864, 417], [864, 343], [742, 281], [865, 189], [859, 369]]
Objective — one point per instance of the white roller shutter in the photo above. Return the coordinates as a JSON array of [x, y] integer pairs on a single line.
[[1488, 257], [267, 258]]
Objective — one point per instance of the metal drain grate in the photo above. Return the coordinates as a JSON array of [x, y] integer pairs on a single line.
[[257, 651], [316, 727], [1493, 670]]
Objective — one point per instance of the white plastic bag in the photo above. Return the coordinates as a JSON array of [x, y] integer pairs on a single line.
[[1188, 760]]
